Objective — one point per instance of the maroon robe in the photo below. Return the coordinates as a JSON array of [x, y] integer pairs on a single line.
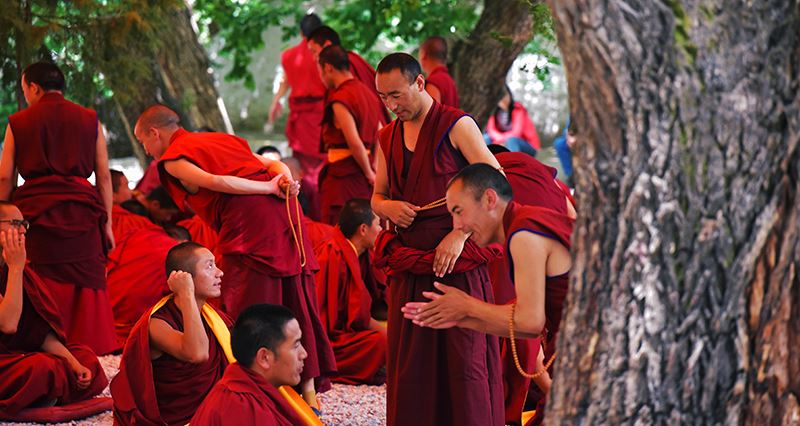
[[344, 180], [136, 279], [557, 226], [260, 259], [440, 77], [363, 71], [165, 390], [55, 147], [435, 376], [243, 397], [27, 374], [344, 304], [533, 184]]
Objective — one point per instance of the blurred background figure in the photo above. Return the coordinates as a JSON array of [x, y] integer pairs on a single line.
[[511, 126]]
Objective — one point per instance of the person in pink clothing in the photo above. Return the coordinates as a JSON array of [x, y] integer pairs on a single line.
[[511, 126]]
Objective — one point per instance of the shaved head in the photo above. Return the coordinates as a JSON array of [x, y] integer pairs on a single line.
[[436, 48], [9, 209], [157, 116]]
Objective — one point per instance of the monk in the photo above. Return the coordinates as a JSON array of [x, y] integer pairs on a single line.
[[266, 343], [433, 376], [37, 367], [537, 242], [306, 102], [56, 145], [174, 354], [440, 85], [358, 340], [241, 195], [349, 131], [136, 274], [121, 192]]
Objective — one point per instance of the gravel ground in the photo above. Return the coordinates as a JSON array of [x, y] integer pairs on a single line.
[[341, 406]]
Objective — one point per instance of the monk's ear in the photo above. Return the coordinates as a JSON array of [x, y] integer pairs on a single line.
[[490, 197], [265, 358], [363, 229]]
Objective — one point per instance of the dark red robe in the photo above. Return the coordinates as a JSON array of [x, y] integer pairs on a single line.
[[165, 390], [533, 184], [557, 226], [136, 276], [55, 147], [435, 376], [344, 180], [27, 374], [260, 258], [344, 304], [363, 71], [440, 77], [243, 397]]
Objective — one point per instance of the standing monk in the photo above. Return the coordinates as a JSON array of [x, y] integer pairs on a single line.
[[349, 131], [537, 242], [306, 102], [56, 145], [266, 255], [440, 85], [36, 364], [434, 376]]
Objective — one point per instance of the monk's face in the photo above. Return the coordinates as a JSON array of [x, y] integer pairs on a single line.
[[287, 364], [402, 97], [372, 231], [150, 138], [207, 277], [123, 192], [11, 218], [471, 214]]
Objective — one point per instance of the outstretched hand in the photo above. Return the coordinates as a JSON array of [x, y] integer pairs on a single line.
[[445, 309]]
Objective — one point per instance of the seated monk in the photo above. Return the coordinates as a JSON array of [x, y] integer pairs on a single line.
[[358, 340], [266, 343], [178, 350], [37, 367], [135, 274]]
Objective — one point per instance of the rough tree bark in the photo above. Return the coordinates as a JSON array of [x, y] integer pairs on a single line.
[[685, 297], [481, 62]]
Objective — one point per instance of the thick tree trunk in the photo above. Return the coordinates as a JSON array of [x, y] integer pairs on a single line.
[[685, 300], [481, 63]]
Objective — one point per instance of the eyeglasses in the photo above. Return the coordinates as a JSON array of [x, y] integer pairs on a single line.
[[16, 222]]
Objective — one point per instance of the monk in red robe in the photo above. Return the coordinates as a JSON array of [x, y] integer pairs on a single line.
[[55, 145], [121, 192], [362, 71], [265, 254], [306, 103], [537, 242], [439, 83], [136, 276], [349, 131], [174, 355], [434, 376], [37, 367], [266, 343], [358, 340]]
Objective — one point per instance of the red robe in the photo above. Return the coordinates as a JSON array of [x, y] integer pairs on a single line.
[[319, 233], [343, 180], [164, 390], [435, 376], [363, 72], [533, 184], [201, 233], [136, 277], [260, 258], [56, 142], [149, 180], [551, 224], [440, 77], [344, 304], [124, 222], [28, 375], [243, 397]]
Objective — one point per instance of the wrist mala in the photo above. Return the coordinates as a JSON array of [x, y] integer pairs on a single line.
[[525, 374], [298, 242]]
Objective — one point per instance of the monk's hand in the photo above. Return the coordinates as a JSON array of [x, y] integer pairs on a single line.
[[13, 248], [448, 251], [444, 310], [110, 235], [401, 213], [82, 374], [292, 185], [181, 283]]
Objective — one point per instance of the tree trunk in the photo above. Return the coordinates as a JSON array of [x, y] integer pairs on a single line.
[[481, 63], [684, 305]]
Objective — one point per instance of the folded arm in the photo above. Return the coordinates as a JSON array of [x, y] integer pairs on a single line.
[[193, 178]]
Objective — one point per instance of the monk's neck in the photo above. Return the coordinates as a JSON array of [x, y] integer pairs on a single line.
[[427, 104], [340, 79], [500, 230], [357, 246], [200, 302]]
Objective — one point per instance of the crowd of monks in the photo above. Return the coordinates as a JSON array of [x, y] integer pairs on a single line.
[[237, 286]]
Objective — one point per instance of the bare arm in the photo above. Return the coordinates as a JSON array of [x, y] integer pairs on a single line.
[[14, 254], [102, 176], [434, 92], [193, 178], [344, 121], [54, 346], [7, 166], [191, 345], [467, 138], [276, 108]]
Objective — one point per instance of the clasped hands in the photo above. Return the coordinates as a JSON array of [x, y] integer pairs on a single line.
[[445, 310]]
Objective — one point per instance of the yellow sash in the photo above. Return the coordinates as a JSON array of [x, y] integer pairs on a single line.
[[223, 336]]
